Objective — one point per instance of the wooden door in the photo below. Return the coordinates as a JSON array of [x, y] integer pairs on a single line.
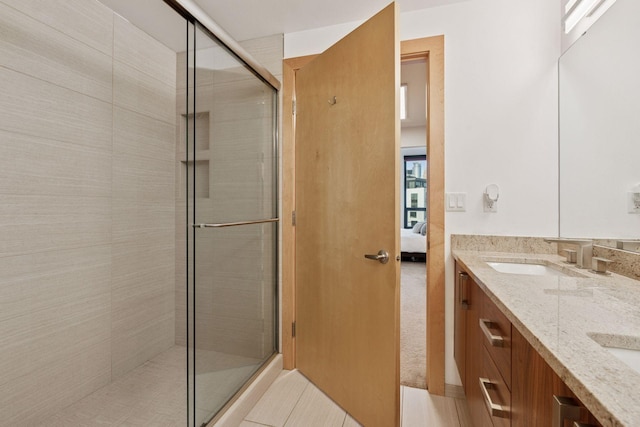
[[347, 205]]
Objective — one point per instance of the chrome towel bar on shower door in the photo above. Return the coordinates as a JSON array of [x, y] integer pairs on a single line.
[[233, 224]]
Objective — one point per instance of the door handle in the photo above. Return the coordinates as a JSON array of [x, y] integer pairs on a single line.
[[382, 256]]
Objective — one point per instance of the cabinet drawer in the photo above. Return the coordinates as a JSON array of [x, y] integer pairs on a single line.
[[496, 337], [495, 393]]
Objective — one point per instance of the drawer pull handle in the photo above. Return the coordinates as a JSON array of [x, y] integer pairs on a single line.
[[564, 408], [494, 409], [462, 283], [495, 340]]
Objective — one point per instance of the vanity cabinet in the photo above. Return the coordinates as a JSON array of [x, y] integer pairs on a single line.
[[535, 386], [506, 381], [468, 347]]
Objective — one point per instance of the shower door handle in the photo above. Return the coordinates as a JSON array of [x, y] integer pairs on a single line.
[[382, 256], [234, 224]]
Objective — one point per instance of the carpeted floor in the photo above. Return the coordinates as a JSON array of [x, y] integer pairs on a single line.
[[413, 324]]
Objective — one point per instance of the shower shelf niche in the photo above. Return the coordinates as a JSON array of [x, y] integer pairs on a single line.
[[202, 153]]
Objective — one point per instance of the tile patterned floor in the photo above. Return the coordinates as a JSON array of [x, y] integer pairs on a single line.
[[293, 401], [154, 395]]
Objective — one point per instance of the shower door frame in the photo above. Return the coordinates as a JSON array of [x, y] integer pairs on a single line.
[[197, 19]]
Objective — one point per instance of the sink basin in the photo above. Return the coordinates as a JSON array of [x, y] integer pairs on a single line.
[[629, 357], [625, 349], [524, 268]]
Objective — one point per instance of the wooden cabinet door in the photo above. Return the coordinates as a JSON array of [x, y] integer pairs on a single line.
[[460, 322], [533, 385], [474, 353]]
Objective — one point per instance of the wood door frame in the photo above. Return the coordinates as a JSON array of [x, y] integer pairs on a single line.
[[433, 49]]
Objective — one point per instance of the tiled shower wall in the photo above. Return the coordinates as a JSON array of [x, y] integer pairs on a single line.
[[87, 205]]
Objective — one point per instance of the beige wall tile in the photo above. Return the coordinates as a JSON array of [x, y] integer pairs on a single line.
[[78, 170], [88, 21], [42, 223], [141, 51], [141, 344], [268, 51], [135, 134], [54, 386], [55, 305], [87, 203], [137, 91], [31, 47], [33, 107]]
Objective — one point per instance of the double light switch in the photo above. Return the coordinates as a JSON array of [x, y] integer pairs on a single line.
[[456, 202]]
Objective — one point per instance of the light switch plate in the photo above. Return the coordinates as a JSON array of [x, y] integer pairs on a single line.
[[456, 202]]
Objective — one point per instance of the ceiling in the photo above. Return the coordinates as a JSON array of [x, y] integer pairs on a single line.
[[248, 19]]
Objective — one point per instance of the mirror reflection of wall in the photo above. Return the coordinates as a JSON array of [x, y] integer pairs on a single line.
[[600, 128]]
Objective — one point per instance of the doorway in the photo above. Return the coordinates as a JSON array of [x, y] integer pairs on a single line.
[[413, 228], [433, 49]]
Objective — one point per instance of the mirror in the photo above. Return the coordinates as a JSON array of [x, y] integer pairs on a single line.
[[599, 107]]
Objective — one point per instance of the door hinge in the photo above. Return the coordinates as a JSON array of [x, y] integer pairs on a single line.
[[293, 329], [293, 218], [293, 107], [428, 245]]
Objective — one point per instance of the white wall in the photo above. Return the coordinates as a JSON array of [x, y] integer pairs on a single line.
[[500, 114], [413, 137]]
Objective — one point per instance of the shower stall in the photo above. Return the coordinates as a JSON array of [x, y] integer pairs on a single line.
[[138, 214], [228, 120]]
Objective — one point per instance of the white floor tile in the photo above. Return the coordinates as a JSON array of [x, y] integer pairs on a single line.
[[275, 407], [423, 409], [350, 422], [315, 409]]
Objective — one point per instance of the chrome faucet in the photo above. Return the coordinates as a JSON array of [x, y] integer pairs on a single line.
[[584, 249]]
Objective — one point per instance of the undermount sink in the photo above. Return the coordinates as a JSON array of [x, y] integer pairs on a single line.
[[525, 268], [625, 349]]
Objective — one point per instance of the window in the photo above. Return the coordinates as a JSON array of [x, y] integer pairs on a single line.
[[415, 190]]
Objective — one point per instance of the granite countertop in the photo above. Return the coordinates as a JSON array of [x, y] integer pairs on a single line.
[[564, 318]]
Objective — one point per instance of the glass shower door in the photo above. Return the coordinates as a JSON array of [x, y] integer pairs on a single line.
[[232, 210]]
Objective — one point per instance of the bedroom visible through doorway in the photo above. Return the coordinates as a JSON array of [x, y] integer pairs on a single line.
[[413, 229]]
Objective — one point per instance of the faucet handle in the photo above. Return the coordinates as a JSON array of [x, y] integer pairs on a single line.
[[599, 265], [572, 256]]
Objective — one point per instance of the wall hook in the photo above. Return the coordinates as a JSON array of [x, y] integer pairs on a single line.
[[333, 101]]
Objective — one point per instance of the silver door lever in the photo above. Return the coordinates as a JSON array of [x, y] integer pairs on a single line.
[[382, 256]]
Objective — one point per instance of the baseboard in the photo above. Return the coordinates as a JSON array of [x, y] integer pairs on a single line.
[[241, 407], [455, 391]]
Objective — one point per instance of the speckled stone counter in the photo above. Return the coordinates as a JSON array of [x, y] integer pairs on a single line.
[[566, 319]]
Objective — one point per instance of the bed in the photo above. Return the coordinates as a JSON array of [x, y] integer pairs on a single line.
[[412, 245]]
